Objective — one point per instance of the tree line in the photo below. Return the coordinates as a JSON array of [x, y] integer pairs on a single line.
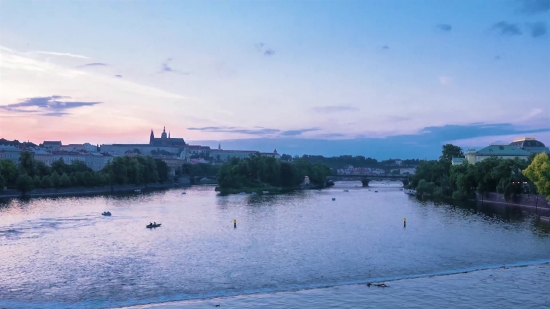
[[258, 172], [506, 176], [345, 160], [30, 174]]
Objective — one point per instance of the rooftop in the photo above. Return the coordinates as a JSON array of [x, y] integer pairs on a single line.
[[502, 150]]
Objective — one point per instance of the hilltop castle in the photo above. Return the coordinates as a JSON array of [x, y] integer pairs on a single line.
[[165, 140]]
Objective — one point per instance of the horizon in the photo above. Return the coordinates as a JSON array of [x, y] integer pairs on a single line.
[[380, 79]]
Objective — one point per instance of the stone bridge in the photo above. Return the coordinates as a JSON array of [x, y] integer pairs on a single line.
[[365, 179]]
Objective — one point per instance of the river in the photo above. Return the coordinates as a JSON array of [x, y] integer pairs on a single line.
[[296, 250]]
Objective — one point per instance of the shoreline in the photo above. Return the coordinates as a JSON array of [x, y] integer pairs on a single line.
[[79, 191]]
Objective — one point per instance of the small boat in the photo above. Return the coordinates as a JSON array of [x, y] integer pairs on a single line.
[[375, 191], [150, 226], [346, 190], [265, 192], [334, 199], [254, 193], [106, 213], [242, 193], [184, 192], [137, 190]]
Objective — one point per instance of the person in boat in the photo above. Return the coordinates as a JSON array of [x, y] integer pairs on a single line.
[[150, 223]]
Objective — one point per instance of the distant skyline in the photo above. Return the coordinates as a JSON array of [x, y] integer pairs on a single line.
[[375, 78]]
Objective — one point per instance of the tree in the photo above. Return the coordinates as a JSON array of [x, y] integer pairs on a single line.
[[88, 179], [162, 169], [450, 151], [24, 183], [2, 181], [36, 181], [9, 172], [26, 162], [55, 180], [45, 183], [41, 169], [539, 173], [65, 181], [59, 166]]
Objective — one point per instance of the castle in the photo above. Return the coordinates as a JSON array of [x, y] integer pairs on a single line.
[[165, 141]]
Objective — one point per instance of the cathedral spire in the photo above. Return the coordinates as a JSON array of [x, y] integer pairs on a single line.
[[168, 134]]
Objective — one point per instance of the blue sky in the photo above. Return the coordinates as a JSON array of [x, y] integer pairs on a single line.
[[376, 78]]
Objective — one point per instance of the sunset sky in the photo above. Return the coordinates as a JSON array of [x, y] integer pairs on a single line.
[[376, 78]]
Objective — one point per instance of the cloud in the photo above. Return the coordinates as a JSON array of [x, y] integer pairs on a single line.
[[334, 109], [538, 29], [298, 132], [259, 46], [507, 29], [262, 48], [445, 80], [498, 57], [167, 68], [425, 144], [534, 6], [255, 131], [385, 47], [60, 54], [93, 64], [46, 106], [444, 27], [118, 75]]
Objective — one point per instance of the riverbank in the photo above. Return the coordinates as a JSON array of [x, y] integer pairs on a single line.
[[52, 192], [525, 201]]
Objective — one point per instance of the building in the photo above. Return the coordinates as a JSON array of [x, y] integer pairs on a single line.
[[43, 156], [164, 144], [273, 154], [97, 161], [52, 145], [530, 144], [11, 153], [457, 161], [78, 147], [165, 140], [191, 150], [407, 171], [500, 151]]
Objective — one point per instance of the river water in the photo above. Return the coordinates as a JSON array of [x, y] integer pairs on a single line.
[[295, 250]]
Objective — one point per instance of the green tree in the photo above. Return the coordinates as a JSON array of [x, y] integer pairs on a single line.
[[539, 173], [55, 180], [45, 183], [87, 179], [59, 166], [425, 187], [162, 169], [9, 172], [27, 163], [450, 151], [41, 169], [65, 181], [2, 180], [36, 181], [24, 183]]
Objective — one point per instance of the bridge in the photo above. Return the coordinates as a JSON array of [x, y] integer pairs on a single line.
[[366, 178]]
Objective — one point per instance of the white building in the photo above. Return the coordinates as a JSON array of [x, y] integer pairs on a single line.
[[499, 151], [11, 153]]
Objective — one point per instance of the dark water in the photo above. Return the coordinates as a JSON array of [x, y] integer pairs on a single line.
[[61, 253]]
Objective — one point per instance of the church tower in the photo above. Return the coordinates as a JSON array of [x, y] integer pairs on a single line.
[[151, 138], [163, 135]]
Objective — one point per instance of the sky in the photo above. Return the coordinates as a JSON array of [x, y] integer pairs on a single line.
[[383, 79]]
